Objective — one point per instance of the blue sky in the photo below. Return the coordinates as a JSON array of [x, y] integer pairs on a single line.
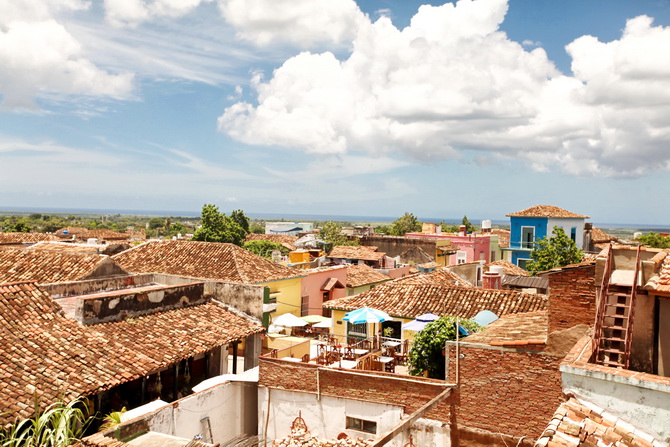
[[337, 107]]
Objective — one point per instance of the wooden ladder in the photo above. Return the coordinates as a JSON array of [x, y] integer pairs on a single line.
[[614, 322]]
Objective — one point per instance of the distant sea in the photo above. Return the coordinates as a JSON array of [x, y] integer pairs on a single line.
[[292, 217]]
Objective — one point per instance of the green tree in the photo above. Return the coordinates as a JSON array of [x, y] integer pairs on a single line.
[[469, 228], [655, 240], [552, 252], [264, 248], [407, 223], [257, 228], [242, 220], [426, 352], [331, 234], [217, 227]]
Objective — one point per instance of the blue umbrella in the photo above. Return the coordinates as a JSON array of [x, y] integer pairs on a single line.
[[485, 317], [366, 315]]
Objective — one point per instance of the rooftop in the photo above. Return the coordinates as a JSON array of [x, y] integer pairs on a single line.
[[207, 260], [508, 268], [69, 247], [439, 277], [547, 211], [26, 238], [408, 299], [361, 275], [286, 241], [43, 353], [514, 329], [52, 266], [361, 252]]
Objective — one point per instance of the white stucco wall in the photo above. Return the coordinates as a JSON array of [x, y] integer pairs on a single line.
[[326, 418], [231, 408], [567, 225], [645, 404]]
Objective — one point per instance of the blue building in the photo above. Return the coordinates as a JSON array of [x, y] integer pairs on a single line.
[[537, 222]]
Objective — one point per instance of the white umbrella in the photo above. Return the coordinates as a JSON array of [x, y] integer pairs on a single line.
[[327, 323], [289, 320], [420, 323]]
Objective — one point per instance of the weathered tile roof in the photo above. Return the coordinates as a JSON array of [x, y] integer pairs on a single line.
[[360, 275], [51, 266], [286, 241], [508, 268], [26, 238], [439, 277], [207, 260], [44, 353], [598, 236], [503, 237], [102, 234], [68, 247], [362, 252], [514, 329], [581, 423], [546, 211], [660, 282], [407, 300]]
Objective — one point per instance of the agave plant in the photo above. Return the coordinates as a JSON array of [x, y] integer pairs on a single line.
[[59, 425], [112, 419]]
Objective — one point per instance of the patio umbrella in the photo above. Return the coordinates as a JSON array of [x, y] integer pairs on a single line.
[[327, 323], [366, 315], [314, 318], [485, 317], [420, 323], [289, 320]]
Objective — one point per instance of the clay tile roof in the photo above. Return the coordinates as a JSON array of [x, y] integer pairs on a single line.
[[661, 281], [44, 353], [84, 233], [598, 236], [581, 423], [508, 268], [546, 211], [360, 275], [207, 260], [439, 277], [503, 237], [361, 252], [514, 329], [51, 266], [68, 247], [407, 299], [286, 241], [26, 238]]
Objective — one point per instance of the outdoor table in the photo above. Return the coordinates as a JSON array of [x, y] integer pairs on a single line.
[[360, 352], [348, 364], [392, 344]]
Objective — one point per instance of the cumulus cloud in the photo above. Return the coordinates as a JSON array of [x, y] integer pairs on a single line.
[[452, 82], [134, 12], [41, 58], [302, 22]]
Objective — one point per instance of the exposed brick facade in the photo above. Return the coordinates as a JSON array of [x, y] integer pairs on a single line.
[[502, 391], [363, 385], [572, 297]]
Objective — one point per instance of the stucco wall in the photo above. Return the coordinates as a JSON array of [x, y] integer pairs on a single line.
[[312, 283], [290, 295]]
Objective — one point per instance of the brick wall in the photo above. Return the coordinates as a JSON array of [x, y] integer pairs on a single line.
[[572, 297], [363, 385], [502, 391]]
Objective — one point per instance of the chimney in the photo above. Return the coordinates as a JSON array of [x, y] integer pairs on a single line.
[[492, 280], [461, 230]]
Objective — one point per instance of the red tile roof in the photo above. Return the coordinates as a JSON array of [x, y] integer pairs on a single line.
[[546, 211], [361, 252], [361, 275], [508, 268], [439, 277], [407, 300], [503, 237], [598, 236], [207, 260], [51, 266], [44, 353], [26, 238], [580, 423], [286, 241], [514, 329], [68, 247]]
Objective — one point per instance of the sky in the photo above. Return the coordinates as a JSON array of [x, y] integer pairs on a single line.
[[338, 107]]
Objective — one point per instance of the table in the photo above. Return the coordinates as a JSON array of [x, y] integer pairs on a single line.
[[392, 344], [389, 364], [348, 364], [291, 359], [360, 352]]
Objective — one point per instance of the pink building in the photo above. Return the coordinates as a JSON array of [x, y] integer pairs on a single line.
[[322, 284], [471, 247]]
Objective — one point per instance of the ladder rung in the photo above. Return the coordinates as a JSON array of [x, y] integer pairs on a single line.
[[612, 350], [615, 339], [611, 363], [615, 328], [618, 305]]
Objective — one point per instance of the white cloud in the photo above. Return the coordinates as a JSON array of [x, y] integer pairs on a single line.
[[452, 82], [304, 23], [41, 58], [134, 12]]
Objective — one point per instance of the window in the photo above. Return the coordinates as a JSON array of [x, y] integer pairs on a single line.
[[357, 330], [573, 234], [304, 306], [361, 425], [493, 256], [522, 262], [527, 237], [461, 257]]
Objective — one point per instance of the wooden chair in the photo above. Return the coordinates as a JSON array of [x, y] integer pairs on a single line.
[[349, 353], [305, 358]]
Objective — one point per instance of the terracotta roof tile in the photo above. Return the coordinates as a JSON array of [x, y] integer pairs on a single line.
[[439, 277], [362, 252], [44, 353], [408, 299], [546, 211], [530, 327], [50, 266], [598, 236], [207, 260], [360, 275], [503, 237], [26, 238], [68, 247], [508, 268], [578, 423]]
